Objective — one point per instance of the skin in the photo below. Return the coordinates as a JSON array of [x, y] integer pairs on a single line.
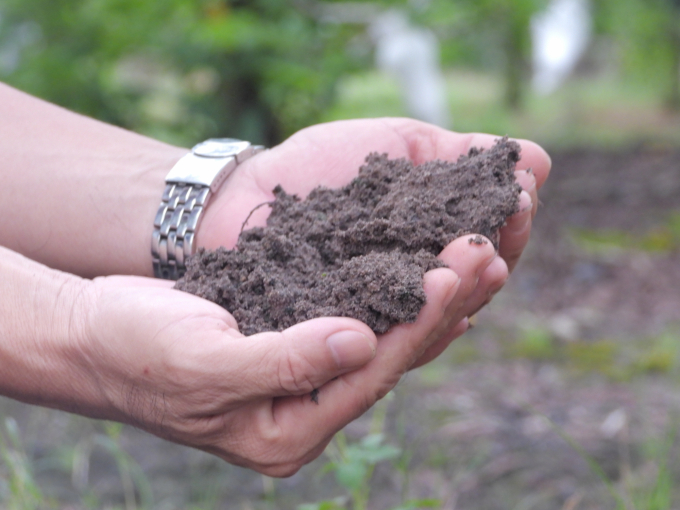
[[80, 201]]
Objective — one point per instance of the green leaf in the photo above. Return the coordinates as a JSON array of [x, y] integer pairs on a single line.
[[415, 504], [331, 504], [352, 474]]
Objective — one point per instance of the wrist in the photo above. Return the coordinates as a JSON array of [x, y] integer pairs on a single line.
[[83, 194], [44, 313]]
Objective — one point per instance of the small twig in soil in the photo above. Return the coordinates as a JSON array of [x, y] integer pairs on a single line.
[[251, 213]]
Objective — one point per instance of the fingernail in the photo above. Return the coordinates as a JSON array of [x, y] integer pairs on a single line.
[[524, 201], [490, 255], [350, 349], [522, 218], [526, 179]]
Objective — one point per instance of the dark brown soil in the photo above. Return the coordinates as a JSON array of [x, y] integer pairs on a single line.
[[359, 251]]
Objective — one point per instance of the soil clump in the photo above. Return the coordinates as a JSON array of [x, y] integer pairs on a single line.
[[361, 250]]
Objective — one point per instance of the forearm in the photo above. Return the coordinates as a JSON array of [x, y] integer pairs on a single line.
[[42, 312], [78, 195]]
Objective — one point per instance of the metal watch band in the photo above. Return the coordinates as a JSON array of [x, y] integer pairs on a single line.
[[172, 240], [189, 187]]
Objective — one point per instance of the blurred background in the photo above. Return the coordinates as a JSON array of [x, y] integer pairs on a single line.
[[565, 395], [561, 72]]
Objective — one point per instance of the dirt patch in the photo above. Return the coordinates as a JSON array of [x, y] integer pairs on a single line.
[[359, 251], [624, 293]]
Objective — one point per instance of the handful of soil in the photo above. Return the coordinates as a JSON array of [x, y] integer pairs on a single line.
[[359, 251]]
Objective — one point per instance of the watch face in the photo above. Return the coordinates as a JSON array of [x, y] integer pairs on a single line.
[[220, 148]]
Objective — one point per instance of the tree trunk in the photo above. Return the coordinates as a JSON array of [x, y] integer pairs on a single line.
[[673, 101], [517, 45]]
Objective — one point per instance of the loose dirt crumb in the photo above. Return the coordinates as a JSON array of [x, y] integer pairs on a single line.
[[478, 240], [359, 251]]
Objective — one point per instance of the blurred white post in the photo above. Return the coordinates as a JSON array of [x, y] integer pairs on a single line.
[[560, 36], [411, 55]]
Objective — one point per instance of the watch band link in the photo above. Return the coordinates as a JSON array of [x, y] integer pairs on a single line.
[[175, 225]]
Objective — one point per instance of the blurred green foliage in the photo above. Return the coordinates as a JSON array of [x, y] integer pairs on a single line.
[[497, 33], [647, 33], [662, 238], [534, 343], [600, 356], [178, 69], [616, 360], [182, 70], [18, 488]]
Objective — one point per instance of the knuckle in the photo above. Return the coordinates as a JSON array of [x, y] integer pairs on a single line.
[[422, 142], [364, 398], [293, 373], [380, 394], [384, 387]]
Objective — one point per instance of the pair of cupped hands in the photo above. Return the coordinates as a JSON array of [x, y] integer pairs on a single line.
[[177, 365]]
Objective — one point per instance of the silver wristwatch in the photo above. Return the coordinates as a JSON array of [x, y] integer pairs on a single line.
[[188, 188]]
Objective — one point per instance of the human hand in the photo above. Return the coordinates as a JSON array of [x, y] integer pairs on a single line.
[[176, 366], [134, 350], [331, 154]]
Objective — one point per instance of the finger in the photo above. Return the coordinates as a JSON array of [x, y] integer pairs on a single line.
[[514, 236], [302, 424], [527, 180], [425, 142], [532, 155], [256, 441], [441, 345], [487, 284], [296, 427], [344, 399], [490, 282], [281, 437], [405, 343], [457, 256], [132, 281], [303, 357]]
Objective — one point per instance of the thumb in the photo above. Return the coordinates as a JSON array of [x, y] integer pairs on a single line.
[[304, 357]]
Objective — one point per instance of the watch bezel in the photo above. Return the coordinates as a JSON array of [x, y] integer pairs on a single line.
[[222, 148], [210, 162]]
